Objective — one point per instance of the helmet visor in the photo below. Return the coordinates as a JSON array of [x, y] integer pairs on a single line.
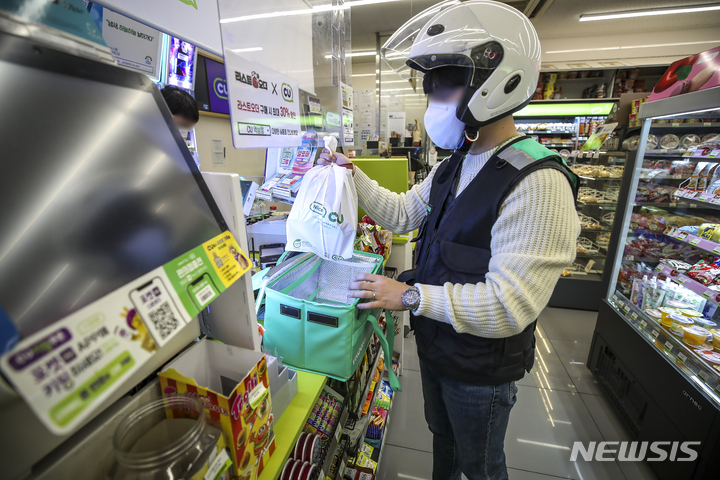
[[396, 50]]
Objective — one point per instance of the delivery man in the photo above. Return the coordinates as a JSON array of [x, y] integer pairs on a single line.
[[498, 226]]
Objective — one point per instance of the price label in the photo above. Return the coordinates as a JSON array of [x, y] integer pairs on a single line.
[[681, 356], [615, 298], [659, 268], [654, 334], [675, 124], [669, 345], [695, 241], [643, 323], [708, 294], [716, 250], [626, 308], [634, 316], [681, 280], [702, 376], [682, 235], [707, 124], [673, 232]]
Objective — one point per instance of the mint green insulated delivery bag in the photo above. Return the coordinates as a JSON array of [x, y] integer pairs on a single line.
[[312, 325]]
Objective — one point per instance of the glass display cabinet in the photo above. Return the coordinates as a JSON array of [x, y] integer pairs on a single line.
[[656, 347]]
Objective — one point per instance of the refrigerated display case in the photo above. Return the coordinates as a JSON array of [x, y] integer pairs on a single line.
[[564, 126], [656, 346]]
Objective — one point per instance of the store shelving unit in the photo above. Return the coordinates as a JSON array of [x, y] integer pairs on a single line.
[[288, 427], [662, 386]]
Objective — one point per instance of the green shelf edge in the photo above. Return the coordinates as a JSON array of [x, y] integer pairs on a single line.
[[288, 427]]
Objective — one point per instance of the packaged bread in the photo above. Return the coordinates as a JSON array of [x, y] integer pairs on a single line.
[[706, 175], [693, 183]]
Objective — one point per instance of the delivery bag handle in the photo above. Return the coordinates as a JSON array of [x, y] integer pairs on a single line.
[[386, 340]]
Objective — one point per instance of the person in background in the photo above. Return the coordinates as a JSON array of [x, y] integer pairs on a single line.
[[182, 106], [498, 227]]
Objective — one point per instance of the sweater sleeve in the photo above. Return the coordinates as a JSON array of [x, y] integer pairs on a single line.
[[533, 240], [399, 213]]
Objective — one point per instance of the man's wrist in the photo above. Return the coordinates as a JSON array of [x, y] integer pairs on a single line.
[[411, 298]]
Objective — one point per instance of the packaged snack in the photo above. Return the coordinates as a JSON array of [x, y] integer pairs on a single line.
[[708, 137], [709, 231], [678, 323], [692, 334], [678, 265], [682, 168], [636, 295], [704, 272], [689, 140], [652, 295], [693, 183], [652, 142], [669, 141], [705, 174]]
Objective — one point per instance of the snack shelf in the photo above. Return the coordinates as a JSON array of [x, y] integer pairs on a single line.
[[361, 423], [385, 433], [673, 348], [288, 427], [695, 241], [698, 202], [711, 295], [358, 414], [714, 155], [664, 177]]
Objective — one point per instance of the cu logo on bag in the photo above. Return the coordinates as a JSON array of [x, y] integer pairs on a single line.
[[318, 209], [287, 92], [336, 217], [297, 243]]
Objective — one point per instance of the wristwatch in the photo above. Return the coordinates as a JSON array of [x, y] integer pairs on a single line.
[[411, 298]]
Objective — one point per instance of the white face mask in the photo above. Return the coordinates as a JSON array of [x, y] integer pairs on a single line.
[[442, 126]]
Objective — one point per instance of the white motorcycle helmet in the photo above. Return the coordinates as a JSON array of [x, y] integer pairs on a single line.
[[495, 42]]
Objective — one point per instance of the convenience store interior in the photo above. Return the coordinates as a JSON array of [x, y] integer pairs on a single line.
[[627, 349]]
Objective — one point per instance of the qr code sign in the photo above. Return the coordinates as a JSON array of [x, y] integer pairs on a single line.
[[164, 320]]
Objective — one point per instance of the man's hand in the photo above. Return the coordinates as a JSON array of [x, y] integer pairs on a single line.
[[327, 157], [387, 292]]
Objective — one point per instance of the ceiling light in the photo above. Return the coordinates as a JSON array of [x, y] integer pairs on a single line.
[[363, 74], [316, 9], [355, 54], [649, 12], [630, 47], [251, 49]]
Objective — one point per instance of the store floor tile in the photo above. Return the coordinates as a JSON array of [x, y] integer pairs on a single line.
[[613, 430], [410, 356], [407, 422], [566, 324], [515, 474], [548, 370], [404, 463], [544, 425], [573, 356]]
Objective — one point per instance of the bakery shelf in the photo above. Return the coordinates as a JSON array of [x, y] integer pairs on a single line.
[[598, 179], [288, 427], [695, 241], [711, 295], [670, 345]]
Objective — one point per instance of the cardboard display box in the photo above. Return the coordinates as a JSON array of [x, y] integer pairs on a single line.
[[233, 385]]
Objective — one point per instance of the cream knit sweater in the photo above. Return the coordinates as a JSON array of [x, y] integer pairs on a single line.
[[533, 240]]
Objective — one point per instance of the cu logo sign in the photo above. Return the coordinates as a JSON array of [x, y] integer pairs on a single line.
[[220, 88], [287, 92]]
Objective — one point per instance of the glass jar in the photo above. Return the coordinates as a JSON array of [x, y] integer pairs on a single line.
[[150, 446]]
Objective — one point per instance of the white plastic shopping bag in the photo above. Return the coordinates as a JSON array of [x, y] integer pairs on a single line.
[[324, 216]]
